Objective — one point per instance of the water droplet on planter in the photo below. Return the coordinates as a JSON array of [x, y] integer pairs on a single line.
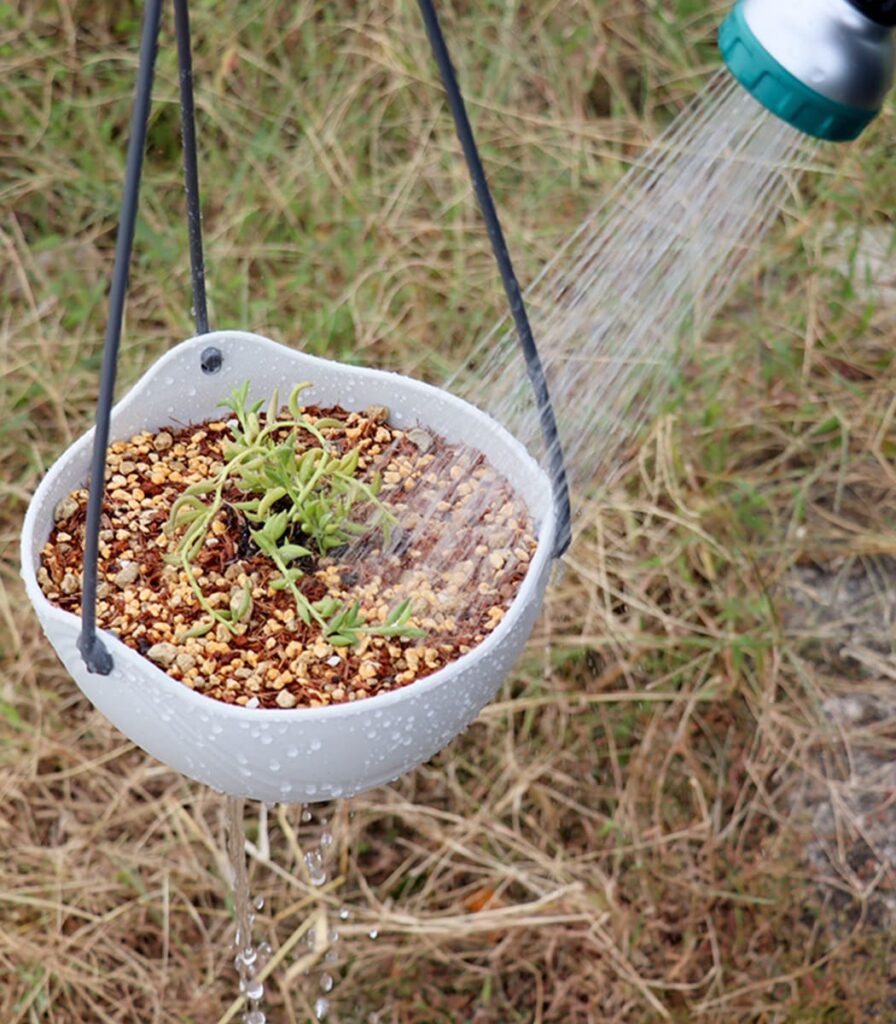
[[314, 745], [326, 839], [374, 934], [344, 914], [258, 902], [326, 982], [321, 1008], [292, 752]]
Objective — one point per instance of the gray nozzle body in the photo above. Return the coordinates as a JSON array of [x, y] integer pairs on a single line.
[[830, 46]]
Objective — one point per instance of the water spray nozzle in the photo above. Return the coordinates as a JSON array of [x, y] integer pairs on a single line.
[[823, 66]]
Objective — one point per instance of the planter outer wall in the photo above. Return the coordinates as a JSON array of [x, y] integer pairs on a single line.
[[301, 754]]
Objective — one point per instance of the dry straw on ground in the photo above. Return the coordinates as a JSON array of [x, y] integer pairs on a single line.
[[679, 808]]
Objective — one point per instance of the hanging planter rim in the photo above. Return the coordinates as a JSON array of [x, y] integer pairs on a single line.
[[545, 529]]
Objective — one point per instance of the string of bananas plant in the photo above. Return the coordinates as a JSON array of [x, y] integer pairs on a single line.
[[299, 501]]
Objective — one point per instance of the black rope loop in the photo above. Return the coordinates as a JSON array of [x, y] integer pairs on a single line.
[[96, 657], [534, 368], [191, 170]]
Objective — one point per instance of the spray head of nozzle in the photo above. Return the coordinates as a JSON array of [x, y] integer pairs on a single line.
[[823, 66]]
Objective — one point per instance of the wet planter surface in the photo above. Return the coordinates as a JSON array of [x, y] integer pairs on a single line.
[[460, 546], [311, 751]]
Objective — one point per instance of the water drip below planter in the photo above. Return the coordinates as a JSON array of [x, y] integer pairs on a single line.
[[301, 754]]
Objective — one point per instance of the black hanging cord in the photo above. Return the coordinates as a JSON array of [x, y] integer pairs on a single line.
[[191, 172], [96, 657], [511, 285]]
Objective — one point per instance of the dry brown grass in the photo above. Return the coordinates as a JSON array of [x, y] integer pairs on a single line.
[[672, 812]]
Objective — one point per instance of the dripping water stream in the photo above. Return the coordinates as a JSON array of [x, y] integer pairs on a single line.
[[251, 956]]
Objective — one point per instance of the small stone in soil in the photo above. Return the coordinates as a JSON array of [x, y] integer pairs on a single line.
[[162, 654], [65, 509], [421, 439], [377, 413], [127, 574]]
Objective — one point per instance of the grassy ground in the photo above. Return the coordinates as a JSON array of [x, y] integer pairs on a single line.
[[681, 807]]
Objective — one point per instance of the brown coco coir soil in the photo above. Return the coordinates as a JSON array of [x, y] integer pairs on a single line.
[[274, 659]]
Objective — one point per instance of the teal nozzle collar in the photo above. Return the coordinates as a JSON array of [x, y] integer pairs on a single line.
[[782, 93]]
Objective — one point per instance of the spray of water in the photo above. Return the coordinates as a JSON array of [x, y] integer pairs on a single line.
[[615, 310]]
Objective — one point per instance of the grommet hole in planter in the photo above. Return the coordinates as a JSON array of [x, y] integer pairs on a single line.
[[211, 359]]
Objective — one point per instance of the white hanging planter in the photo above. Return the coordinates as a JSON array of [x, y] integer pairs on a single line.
[[301, 754]]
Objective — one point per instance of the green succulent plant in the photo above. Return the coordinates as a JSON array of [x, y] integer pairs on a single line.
[[298, 500]]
